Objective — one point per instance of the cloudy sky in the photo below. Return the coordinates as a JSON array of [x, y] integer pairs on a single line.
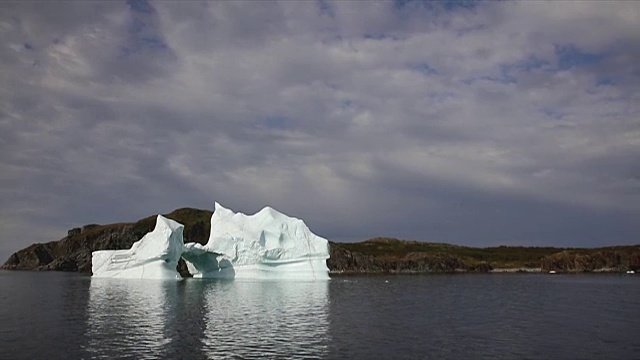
[[471, 123]]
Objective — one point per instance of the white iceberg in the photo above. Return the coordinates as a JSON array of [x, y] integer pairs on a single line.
[[266, 245], [155, 256]]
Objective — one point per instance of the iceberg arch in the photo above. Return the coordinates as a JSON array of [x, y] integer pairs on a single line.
[[266, 245]]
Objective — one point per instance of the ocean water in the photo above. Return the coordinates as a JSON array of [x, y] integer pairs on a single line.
[[493, 316]]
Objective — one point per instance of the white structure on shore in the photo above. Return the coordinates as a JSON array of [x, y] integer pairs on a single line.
[[266, 245]]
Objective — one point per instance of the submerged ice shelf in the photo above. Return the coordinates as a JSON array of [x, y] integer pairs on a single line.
[[266, 245]]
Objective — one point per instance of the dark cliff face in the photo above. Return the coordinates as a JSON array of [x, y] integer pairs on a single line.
[[397, 256], [379, 255], [580, 260], [344, 260], [73, 252]]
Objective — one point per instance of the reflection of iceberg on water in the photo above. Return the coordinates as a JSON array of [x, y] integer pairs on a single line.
[[129, 317], [155, 256], [266, 245], [266, 320], [142, 319]]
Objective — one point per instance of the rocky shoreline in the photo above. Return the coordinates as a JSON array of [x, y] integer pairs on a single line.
[[493, 271], [374, 256]]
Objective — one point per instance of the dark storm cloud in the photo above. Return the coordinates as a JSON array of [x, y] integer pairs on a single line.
[[496, 123]]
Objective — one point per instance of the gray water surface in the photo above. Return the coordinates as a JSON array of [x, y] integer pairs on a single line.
[[494, 316]]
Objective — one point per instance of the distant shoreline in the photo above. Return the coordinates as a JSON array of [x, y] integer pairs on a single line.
[[516, 270], [374, 256], [493, 271]]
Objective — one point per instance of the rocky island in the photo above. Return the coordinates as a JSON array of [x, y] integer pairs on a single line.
[[378, 255]]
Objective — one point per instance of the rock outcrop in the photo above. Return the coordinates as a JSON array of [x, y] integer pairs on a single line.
[[343, 260], [73, 252], [579, 260]]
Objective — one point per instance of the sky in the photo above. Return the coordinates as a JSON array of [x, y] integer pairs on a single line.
[[472, 123]]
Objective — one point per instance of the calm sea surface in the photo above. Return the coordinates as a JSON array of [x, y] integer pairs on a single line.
[[496, 316]]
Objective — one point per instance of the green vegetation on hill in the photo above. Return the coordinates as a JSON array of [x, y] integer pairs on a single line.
[[393, 255], [501, 256]]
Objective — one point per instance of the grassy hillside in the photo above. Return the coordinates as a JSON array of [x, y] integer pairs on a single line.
[[502, 256], [614, 258]]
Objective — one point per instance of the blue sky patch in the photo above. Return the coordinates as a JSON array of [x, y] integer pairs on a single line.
[[144, 34], [325, 8], [140, 6], [530, 63], [605, 81], [553, 113], [570, 56], [460, 4], [448, 5], [276, 122], [424, 68]]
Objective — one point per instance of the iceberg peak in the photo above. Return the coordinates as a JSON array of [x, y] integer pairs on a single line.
[[264, 245], [222, 211], [271, 213], [155, 256]]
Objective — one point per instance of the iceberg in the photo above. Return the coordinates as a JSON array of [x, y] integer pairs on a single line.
[[155, 256], [266, 245]]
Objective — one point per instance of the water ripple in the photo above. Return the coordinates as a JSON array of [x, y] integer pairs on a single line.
[[65, 316], [266, 319], [127, 317]]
